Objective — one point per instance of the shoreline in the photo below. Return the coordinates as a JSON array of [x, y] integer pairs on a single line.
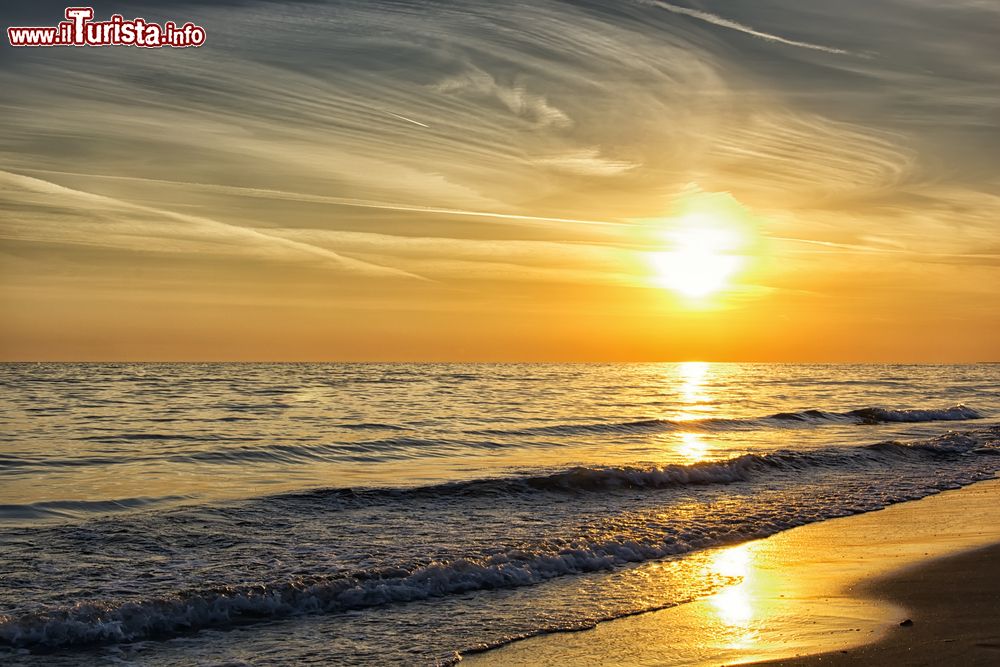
[[807, 595]]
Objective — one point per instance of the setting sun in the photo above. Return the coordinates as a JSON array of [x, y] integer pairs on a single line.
[[704, 255]]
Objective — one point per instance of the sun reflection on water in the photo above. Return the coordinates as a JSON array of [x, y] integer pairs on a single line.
[[693, 378], [692, 448], [695, 402]]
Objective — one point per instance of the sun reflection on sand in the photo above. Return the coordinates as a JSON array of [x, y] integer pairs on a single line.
[[734, 605], [732, 562]]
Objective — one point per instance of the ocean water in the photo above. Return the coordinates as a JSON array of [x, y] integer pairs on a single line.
[[165, 514]]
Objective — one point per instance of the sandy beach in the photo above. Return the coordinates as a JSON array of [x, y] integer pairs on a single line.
[[832, 593], [953, 604]]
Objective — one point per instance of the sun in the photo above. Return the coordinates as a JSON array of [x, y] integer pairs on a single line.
[[703, 256]]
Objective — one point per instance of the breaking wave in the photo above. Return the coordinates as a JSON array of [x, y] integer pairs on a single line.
[[737, 469], [861, 416], [128, 619]]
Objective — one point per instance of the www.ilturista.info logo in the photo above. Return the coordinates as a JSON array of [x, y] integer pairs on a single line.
[[79, 30]]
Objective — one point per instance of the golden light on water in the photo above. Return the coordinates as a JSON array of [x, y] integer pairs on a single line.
[[692, 447], [693, 376]]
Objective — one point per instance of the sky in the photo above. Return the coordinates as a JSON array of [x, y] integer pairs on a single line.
[[625, 180]]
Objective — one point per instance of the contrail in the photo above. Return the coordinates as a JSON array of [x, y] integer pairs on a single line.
[[839, 246], [343, 201], [47, 187], [739, 27], [408, 120]]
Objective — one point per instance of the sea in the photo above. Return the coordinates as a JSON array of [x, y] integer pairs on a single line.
[[334, 513]]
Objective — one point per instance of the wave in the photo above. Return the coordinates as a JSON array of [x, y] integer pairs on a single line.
[[96, 622], [102, 623], [861, 416], [373, 426], [728, 471], [576, 479], [882, 415], [71, 508], [221, 606], [381, 450], [240, 450]]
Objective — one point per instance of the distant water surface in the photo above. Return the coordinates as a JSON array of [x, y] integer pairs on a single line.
[[400, 513]]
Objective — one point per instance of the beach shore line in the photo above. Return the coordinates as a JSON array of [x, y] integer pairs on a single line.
[[830, 593]]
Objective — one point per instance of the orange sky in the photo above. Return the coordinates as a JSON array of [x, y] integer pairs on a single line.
[[571, 181]]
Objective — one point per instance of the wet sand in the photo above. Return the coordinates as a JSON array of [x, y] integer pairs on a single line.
[[954, 606], [822, 589]]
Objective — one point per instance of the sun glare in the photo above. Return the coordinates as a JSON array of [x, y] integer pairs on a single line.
[[704, 255]]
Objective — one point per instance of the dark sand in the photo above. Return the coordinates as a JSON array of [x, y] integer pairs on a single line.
[[954, 605]]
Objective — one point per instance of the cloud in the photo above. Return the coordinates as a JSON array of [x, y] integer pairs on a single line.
[[796, 159], [559, 122], [486, 259], [739, 27], [129, 233], [284, 195], [588, 162], [515, 97]]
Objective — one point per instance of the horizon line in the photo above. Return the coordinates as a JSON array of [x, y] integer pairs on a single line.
[[495, 362]]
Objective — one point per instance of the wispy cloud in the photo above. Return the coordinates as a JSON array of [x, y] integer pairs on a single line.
[[266, 193], [143, 237], [338, 141], [589, 162], [714, 19], [795, 159], [516, 97]]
